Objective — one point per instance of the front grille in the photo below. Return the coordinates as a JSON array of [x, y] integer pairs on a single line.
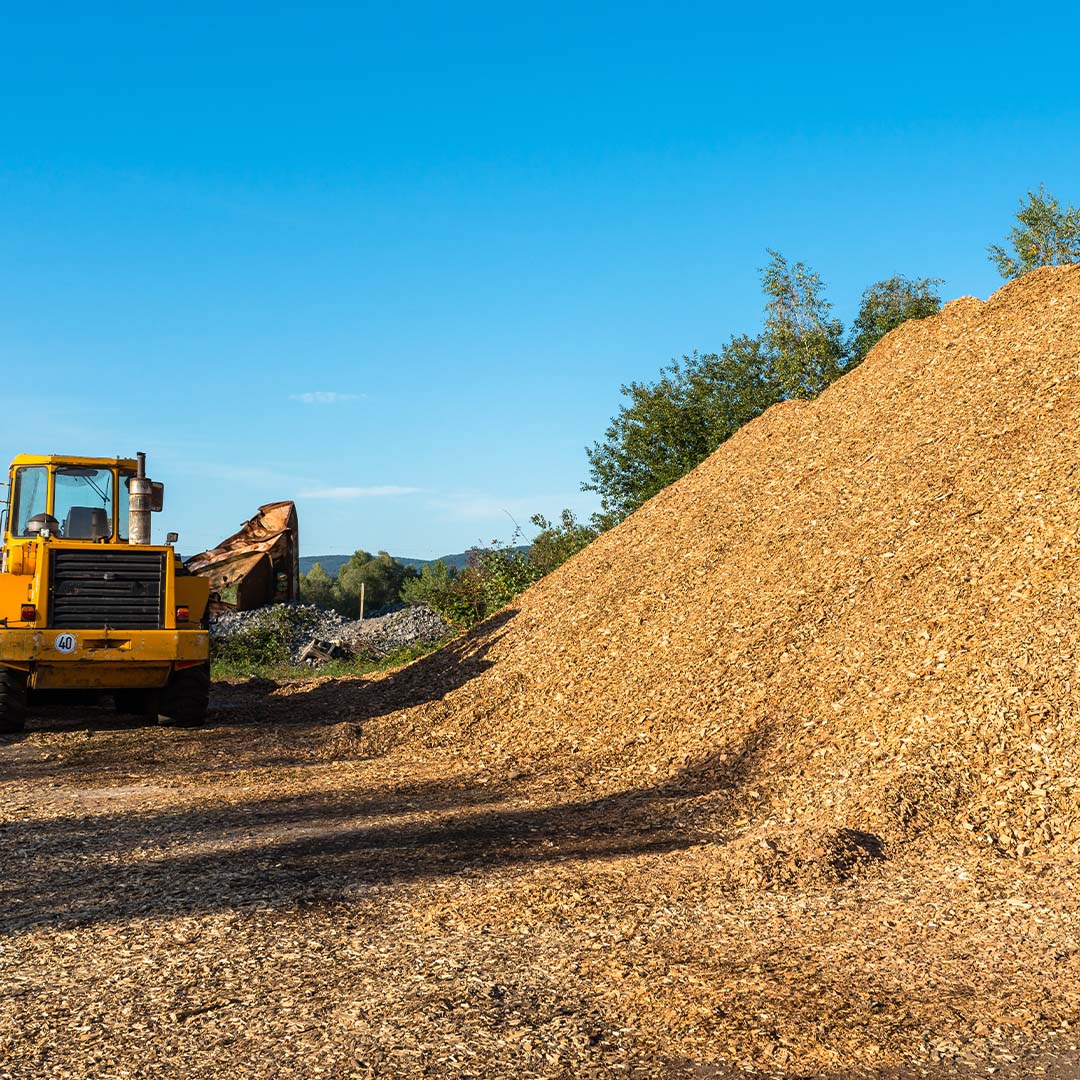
[[124, 590]]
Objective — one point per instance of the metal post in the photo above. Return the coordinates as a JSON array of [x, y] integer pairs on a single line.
[[362, 586]]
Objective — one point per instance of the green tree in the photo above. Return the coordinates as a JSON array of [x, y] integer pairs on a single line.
[[381, 575], [667, 427], [887, 304], [317, 587], [804, 341], [432, 585], [1045, 234], [557, 542]]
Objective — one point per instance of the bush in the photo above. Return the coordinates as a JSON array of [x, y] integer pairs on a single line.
[[496, 574], [264, 643], [554, 544], [501, 572], [434, 581]]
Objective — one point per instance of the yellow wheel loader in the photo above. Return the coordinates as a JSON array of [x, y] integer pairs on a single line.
[[87, 602]]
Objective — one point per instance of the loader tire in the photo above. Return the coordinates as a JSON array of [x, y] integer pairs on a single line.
[[185, 700], [12, 701]]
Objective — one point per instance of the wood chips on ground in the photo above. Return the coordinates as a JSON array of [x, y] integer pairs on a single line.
[[779, 777]]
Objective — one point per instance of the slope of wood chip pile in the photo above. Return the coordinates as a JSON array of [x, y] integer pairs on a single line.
[[778, 777]]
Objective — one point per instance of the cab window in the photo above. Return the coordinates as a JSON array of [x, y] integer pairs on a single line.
[[30, 498], [83, 502]]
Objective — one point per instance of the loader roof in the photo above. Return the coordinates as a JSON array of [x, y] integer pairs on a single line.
[[72, 459]]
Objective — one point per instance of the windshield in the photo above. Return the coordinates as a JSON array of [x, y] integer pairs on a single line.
[[83, 502], [31, 491]]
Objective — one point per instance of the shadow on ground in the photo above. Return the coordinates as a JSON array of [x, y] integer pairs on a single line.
[[324, 846]]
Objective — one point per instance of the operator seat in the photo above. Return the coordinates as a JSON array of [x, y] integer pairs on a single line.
[[86, 523]]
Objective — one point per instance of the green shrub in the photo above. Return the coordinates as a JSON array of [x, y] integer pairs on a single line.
[[433, 583], [496, 574], [263, 642], [252, 648], [554, 544]]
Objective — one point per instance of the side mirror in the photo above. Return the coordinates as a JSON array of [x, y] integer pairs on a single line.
[[171, 538], [157, 496]]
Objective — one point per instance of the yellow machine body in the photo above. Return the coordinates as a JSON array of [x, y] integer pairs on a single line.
[[89, 610]]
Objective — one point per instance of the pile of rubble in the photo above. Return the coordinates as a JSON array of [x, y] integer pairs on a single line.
[[381, 635], [312, 635]]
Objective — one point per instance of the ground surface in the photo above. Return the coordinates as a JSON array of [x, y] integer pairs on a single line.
[[258, 898]]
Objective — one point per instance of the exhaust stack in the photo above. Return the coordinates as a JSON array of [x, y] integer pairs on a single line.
[[140, 503]]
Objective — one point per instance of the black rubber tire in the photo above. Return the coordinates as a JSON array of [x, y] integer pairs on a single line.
[[185, 700], [12, 701]]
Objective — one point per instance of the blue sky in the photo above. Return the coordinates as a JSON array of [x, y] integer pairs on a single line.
[[395, 261]]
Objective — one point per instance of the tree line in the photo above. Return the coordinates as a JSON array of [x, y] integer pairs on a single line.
[[667, 427], [491, 578]]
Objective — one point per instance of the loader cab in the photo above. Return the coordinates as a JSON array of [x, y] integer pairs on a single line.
[[81, 499]]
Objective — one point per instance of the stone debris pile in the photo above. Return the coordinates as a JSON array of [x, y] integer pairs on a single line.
[[381, 635], [312, 635]]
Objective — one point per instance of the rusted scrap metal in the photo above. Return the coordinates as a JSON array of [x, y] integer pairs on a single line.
[[259, 564]]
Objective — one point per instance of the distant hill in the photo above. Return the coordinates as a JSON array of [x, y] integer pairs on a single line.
[[331, 564]]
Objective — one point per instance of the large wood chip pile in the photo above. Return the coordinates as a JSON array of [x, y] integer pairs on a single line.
[[861, 613], [779, 777]]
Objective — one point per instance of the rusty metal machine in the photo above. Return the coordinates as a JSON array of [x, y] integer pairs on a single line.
[[88, 602], [258, 565]]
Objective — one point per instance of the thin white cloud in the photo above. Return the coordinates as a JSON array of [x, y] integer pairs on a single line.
[[324, 397], [358, 492]]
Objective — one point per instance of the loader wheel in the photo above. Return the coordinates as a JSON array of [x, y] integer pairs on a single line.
[[12, 701], [184, 701]]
